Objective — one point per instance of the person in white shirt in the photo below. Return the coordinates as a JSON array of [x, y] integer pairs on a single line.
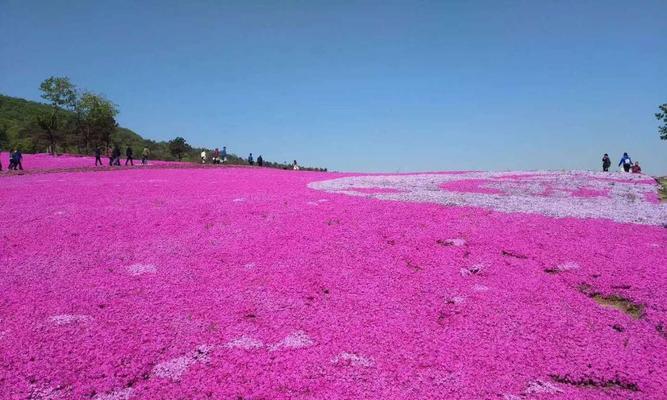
[[203, 156]]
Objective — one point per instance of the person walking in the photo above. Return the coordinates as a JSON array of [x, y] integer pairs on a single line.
[[223, 154], [260, 161], [250, 160], [626, 161], [606, 162], [10, 164], [203, 156], [129, 154], [216, 156], [636, 169], [115, 155], [295, 166], [144, 156], [98, 155], [17, 157]]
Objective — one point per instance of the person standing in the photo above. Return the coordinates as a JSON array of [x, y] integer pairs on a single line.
[[223, 154], [260, 161], [216, 156], [98, 155], [250, 160], [626, 161], [10, 163], [636, 169], [17, 157], [115, 155], [129, 154], [203, 156], [295, 166], [144, 156], [606, 162]]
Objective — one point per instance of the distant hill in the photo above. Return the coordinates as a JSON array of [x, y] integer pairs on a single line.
[[18, 115]]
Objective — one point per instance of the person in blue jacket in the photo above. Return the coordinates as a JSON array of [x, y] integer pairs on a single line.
[[626, 161]]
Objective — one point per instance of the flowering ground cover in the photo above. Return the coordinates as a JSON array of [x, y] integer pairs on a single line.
[[46, 162], [246, 283]]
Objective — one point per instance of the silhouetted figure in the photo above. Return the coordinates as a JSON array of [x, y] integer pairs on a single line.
[[606, 162], [129, 154], [16, 160], [98, 156], [10, 165], [260, 161], [216, 156], [626, 161], [295, 166], [250, 160], [223, 154], [144, 156], [636, 169], [115, 154]]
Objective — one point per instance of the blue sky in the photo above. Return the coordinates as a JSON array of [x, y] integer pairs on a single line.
[[363, 86]]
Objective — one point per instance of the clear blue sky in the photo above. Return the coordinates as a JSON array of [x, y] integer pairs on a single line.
[[363, 86]]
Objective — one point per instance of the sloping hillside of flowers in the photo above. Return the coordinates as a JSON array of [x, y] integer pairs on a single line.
[[241, 283]]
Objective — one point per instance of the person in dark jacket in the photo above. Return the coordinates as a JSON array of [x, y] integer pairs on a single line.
[[115, 155], [16, 158], [626, 161], [129, 154], [260, 161], [216, 156], [606, 162], [223, 154], [98, 155], [250, 160]]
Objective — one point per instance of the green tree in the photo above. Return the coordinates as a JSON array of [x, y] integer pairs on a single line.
[[178, 147], [61, 93], [662, 117], [96, 120]]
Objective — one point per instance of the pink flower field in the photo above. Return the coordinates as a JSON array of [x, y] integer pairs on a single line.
[[248, 283]]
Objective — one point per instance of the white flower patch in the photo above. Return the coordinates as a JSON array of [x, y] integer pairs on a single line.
[[140, 269], [120, 394], [568, 266], [239, 200], [454, 242], [475, 269], [539, 386], [480, 288], [622, 196], [46, 393], [174, 368], [295, 340], [245, 343], [312, 203], [353, 359], [66, 319], [322, 200], [456, 300]]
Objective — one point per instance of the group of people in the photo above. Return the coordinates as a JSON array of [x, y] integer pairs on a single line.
[[114, 156], [218, 157], [15, 158], [626, 163]]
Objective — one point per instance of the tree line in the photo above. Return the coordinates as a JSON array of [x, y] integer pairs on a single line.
[[77, 121]]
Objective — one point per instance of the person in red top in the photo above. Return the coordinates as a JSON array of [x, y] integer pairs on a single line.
[[636, 169]]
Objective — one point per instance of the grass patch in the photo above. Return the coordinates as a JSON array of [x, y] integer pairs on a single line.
[[662, 193], [596, 383], [617, 302]]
